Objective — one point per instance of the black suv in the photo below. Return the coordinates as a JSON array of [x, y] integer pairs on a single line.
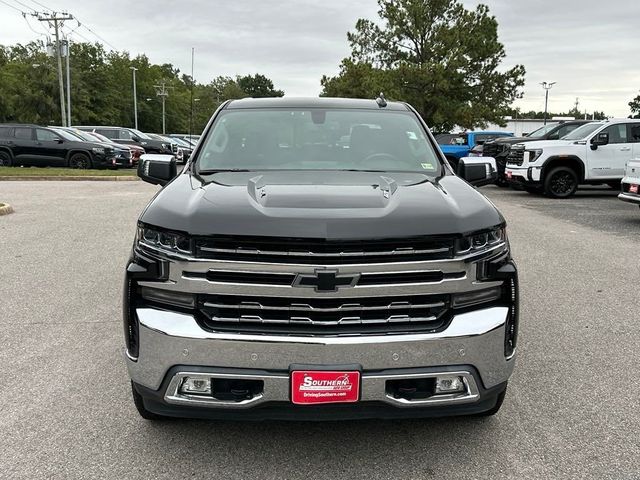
[[318, 259], [128, 136], [500, 148], [33, 145]]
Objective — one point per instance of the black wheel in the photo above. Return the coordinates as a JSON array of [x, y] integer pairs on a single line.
[[139, 403], [5, 159], [80, 161], [561, 182], [492, 411], [501, 182]]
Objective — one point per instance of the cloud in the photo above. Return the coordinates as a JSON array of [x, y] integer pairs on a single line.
[[588, 47]]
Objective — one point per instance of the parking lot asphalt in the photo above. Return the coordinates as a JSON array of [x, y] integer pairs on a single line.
[[66, 411]]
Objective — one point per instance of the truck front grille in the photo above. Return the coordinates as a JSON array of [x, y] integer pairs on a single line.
[[493, 149], [516, 155], [323, 316], [322, 252]]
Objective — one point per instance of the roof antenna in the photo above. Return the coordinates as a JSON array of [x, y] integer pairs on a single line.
[[381, 100]]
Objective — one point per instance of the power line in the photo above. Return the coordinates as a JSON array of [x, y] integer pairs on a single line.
[[98, 36], [9, 5], [41, 5], [25, 5]]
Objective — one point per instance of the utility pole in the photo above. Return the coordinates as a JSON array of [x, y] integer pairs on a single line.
[[56, 21], [192, 82], [547, 87], [135, 98], [68, 55], [161, 91]]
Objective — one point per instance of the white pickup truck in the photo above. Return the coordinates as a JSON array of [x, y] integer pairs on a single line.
[[595, 153], [631, 183]]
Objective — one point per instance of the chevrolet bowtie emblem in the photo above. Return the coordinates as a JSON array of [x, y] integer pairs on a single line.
[[326, 280]]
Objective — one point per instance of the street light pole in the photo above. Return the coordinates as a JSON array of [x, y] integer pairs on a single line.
[[135, 98], [547, 87], [68, 52]]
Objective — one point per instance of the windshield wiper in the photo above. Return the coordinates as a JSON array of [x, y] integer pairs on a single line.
[[222, 170]]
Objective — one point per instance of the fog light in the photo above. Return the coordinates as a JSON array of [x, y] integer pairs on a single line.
[[198, 386], [449, 385]]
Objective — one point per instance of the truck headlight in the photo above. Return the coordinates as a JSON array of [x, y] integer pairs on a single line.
[[163, 240], [533, 155], [479, 242], [97, 150]]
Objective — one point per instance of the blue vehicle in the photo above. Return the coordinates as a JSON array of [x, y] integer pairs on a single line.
[[458, 145]]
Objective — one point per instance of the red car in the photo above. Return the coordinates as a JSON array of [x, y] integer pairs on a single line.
[[136, 151]]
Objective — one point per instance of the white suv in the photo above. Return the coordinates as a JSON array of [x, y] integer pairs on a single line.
[[592, 154], [631, 183]]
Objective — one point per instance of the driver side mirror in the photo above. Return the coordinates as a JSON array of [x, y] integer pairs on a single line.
[[157, 169], [600, 139], [59, 140], [135, 139], [478, 171]]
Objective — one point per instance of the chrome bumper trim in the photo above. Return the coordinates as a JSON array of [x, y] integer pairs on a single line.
[[169, 338], [625, 197], [277, 389]]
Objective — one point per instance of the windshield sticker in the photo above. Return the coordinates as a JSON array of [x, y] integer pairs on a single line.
[[427, 166]]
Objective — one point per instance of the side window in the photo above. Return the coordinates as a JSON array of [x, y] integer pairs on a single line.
[[43, 135], [109, 133], [634, 132], [617, 133], [562, 131], [4, 132], [23, 133], [125, 135]]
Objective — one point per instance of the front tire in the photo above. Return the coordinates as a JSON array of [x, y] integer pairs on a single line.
[[80, 161], [5, 159], [561, 182]]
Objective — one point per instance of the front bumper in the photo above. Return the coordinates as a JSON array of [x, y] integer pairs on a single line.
[[629, 197], [524, 176], [173, 344]]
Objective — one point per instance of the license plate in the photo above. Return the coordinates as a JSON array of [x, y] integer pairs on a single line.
[[314, 387], [509, 175], [633, 188]]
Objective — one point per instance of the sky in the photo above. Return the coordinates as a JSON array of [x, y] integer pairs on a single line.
[[589, 47]]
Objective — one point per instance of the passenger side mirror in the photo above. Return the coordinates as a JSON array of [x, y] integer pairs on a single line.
[[478, 171], [600, 139], [157, 169]]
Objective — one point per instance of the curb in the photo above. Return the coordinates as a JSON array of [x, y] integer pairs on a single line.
[[71, 178], [5, 209]]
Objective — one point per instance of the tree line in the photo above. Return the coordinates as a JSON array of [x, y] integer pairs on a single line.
[[102, 89]]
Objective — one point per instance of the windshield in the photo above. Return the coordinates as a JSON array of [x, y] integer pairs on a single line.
[[139, 134], [74, 137], [87, 137], [179, 141], [318, 139], [100, 137], [583, 132], [542, 131]]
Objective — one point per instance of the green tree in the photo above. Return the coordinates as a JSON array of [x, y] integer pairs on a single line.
[[101, 89], [258, 86], [634, 105], [442, 58]]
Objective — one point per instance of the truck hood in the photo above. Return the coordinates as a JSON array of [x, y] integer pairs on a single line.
[[542, 144], [327, 205]]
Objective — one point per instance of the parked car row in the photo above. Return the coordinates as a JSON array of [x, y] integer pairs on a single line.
[[559, 157], [86, 146], [595, 153], [39, 146]]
